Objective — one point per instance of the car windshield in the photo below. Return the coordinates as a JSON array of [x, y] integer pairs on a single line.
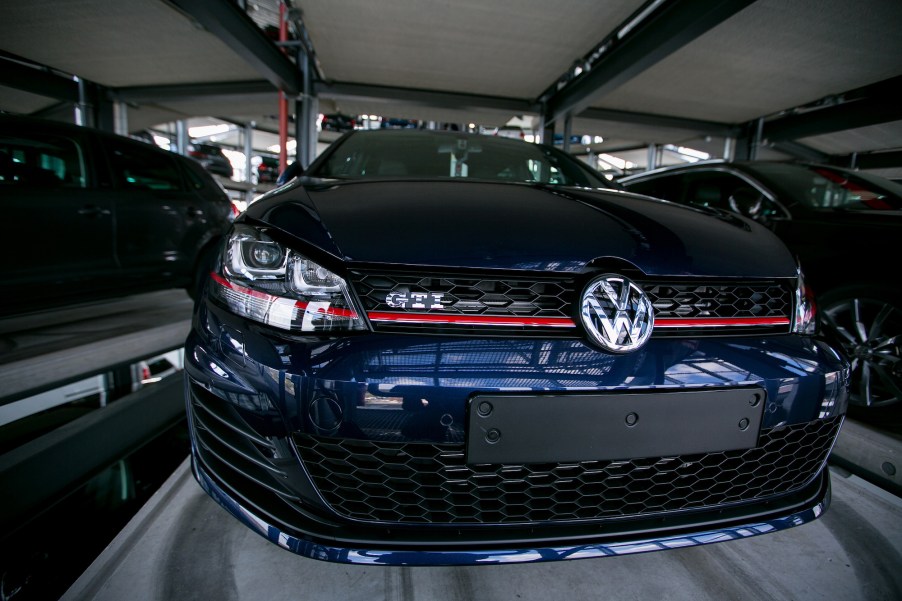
[[830, 188], [439, 155]]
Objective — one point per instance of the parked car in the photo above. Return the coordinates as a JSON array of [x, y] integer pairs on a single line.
[[844, 226], [511, 131], [212, 158], [395, 123], [92, 215], [267, 171], [338, 122], [441, 348]]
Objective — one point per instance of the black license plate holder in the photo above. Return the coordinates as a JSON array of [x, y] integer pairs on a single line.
[[518, 429]]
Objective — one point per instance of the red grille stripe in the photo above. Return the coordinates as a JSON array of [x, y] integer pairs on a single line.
[[474, 320], [563, 322], [718, 322]]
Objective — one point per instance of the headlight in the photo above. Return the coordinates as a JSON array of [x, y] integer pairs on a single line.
[[804, 322], [264, 281]]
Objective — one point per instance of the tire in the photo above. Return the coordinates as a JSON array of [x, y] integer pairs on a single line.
[[867, 323]]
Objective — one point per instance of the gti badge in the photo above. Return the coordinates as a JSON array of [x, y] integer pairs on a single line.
[[414, 300], [616, 313]]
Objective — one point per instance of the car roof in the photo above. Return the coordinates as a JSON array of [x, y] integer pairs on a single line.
[[61, 127]]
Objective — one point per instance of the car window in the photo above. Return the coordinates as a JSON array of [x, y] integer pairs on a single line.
[[143, 168], [194, 179], [829, 188], [711, 189], [666, 187], [727, 192], [431, 155], [36, 160]]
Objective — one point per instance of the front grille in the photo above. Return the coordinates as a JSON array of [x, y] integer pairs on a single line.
[[432, 483], [545, 305], [237, 456], [501, 304], [688, 300]]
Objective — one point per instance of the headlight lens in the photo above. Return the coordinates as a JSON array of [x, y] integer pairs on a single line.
[[264, 281], [806, 310]]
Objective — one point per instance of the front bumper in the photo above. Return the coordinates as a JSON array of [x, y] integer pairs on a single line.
[[659, 536], [299, 437]]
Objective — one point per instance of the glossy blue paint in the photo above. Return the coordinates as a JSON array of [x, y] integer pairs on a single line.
[[427, 381], [321, 442], [519, 227]]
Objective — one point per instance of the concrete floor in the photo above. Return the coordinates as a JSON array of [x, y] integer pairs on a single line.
[[183, 546]]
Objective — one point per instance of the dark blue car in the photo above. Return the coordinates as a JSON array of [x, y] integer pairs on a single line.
[[437, 348]]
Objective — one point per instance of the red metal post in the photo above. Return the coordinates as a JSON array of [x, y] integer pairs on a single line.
[[283, 101]]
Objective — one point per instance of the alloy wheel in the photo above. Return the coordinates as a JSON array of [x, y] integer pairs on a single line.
[[870, 332]]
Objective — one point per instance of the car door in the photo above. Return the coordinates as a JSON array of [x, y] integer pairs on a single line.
[[717, 188], [155, 210], [58, 242]]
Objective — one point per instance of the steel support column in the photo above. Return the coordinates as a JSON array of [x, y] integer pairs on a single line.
[[729, 149], [568, 131], [248, 151], [120, 118], [104, 109], [306, 113], [632, 49], [283, 100], [546, 129], [652, 160], [181, 137], [230, 24], [428, 98], [710, 128], [800, 151], [82, 110], [883, 159], [861, 107], [748, 141], [18, 74]]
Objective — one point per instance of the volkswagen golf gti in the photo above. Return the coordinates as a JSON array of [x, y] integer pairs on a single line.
[[435, 349]]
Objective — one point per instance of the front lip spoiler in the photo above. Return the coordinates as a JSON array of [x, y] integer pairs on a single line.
[[431, 557]]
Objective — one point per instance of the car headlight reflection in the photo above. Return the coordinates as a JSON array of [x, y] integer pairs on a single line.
[[264, 281]]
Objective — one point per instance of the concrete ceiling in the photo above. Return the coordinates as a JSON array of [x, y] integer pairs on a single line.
[[120, 43], [511, 48], [768, 56], [771, 56]]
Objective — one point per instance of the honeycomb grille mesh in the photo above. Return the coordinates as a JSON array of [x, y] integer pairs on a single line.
[[432, 483], [550, 297], [719, 300], [472, 296]]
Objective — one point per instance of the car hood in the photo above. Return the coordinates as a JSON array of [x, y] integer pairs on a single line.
[[518, 227]]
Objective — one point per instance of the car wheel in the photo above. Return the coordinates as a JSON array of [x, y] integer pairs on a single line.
[[868, 325]]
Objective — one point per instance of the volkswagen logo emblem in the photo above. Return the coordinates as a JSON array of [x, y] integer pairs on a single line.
[[616, 313]]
